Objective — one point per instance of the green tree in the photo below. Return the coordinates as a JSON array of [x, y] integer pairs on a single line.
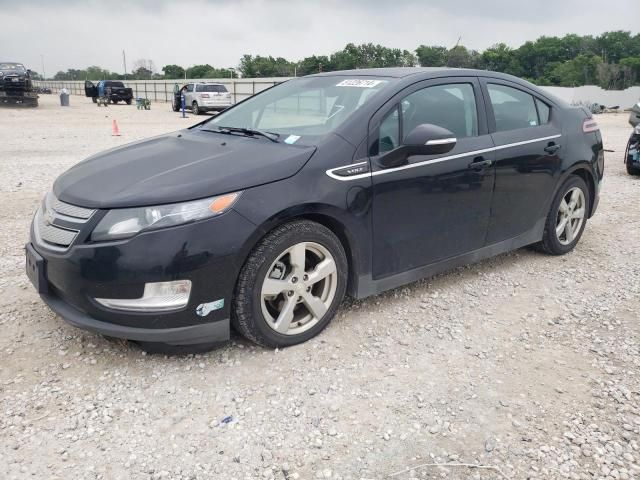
[[460, 57], [434, 56], [173, 71], [500, 58], [141, 73], [582, 70]]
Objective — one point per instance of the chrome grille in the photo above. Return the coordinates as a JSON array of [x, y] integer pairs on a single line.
[[57, 223], [54, 235], [71, 210]]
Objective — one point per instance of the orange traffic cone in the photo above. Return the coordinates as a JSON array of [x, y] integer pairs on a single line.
[[115, 131]]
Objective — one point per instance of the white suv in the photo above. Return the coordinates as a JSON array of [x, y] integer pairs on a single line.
[[203, 97]]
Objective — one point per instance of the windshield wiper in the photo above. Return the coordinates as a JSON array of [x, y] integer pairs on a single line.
[[250, 132]]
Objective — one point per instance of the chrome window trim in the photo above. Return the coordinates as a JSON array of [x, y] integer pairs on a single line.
[[433, 160]]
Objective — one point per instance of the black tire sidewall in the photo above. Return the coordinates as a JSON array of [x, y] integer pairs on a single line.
[[268, 251], [551, 238]]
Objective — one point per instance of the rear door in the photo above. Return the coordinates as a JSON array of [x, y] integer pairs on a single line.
[[435, 206], [189, 94], [90, 89], [528, 137]]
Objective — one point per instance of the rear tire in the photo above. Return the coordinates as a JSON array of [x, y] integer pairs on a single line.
[[94, 99], [304, 266], [567, 218], [128, 101]]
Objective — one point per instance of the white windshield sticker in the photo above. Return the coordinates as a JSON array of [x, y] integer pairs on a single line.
[[357, 82], [291, 139]]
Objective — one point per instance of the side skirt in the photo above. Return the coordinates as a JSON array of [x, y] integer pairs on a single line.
[[367, 286]]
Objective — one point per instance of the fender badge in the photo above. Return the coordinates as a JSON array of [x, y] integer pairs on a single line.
[[205, 309]]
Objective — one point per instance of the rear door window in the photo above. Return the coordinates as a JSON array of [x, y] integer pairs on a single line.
[[512, 108]]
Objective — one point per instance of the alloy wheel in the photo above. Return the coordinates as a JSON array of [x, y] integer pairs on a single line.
[[299, 288], [571, 215]]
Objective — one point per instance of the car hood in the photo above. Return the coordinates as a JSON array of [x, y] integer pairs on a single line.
[[178, 167]]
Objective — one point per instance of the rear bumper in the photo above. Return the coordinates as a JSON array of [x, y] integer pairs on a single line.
[[213, 332]]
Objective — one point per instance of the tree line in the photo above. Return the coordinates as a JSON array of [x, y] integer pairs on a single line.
[[610, 60]]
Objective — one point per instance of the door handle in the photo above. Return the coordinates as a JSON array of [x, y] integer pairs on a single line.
[[552, 148], [479, 163]]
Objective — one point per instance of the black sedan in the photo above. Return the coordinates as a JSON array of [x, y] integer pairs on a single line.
[[266, 215]]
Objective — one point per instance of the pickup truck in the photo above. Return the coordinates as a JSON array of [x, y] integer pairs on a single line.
[[113, 90], [16, 86]]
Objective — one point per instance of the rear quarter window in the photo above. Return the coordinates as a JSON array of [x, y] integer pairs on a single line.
[[544, 111]]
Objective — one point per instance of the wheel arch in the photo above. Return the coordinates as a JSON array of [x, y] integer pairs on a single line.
[[584, 171], [325, 215]]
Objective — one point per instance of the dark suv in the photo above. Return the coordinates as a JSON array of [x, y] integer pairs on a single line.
[[265, 215]]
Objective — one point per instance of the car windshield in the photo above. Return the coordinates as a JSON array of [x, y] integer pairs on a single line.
[[12, 66], [301, 110], [211, 88]]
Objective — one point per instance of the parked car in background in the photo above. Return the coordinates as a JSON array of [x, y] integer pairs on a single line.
[[113, 90], [632, 153], [16, 86], [202, 97], [265, 215]]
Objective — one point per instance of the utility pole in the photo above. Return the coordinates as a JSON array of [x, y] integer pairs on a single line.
[[124, 62], [44, 76]]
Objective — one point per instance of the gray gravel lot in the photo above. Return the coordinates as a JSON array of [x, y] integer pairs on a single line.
[[525, 362]]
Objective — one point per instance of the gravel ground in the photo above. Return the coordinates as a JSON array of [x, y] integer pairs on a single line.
[[525, 363]]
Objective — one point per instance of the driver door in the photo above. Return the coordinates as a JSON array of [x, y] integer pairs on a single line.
[[432, 207], [90, 90]]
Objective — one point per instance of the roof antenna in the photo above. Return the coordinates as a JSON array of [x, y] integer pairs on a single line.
[[458, 42]]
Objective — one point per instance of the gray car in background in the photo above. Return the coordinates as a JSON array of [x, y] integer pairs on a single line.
[[203, 97]]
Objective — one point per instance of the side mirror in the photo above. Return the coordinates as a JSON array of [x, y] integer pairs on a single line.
[[428, 139], [425, 139]]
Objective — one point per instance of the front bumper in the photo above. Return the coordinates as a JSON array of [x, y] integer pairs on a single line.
[[213, 332], [209, 253]]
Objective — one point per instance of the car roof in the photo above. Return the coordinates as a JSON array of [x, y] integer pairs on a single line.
[[424, 72]]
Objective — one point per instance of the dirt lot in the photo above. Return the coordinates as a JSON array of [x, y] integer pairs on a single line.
[[526, 363]]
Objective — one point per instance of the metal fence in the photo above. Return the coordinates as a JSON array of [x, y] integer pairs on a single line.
[[162, 90]]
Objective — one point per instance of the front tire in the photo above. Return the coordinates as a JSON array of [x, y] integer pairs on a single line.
[[567, 218], [631, 170], [195, 109], [291, 285], [128, 100]]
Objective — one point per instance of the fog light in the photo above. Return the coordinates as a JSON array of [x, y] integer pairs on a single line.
[[157, 297]]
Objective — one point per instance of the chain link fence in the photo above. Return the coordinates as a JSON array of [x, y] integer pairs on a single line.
[[162, 90]]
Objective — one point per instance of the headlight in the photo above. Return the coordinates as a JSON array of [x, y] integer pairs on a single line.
[[126, 222]]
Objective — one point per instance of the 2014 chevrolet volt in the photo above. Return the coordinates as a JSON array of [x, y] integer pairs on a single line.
[[264, 216]]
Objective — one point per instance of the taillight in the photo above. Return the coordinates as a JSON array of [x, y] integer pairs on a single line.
[[205, 95], [590, 126]]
